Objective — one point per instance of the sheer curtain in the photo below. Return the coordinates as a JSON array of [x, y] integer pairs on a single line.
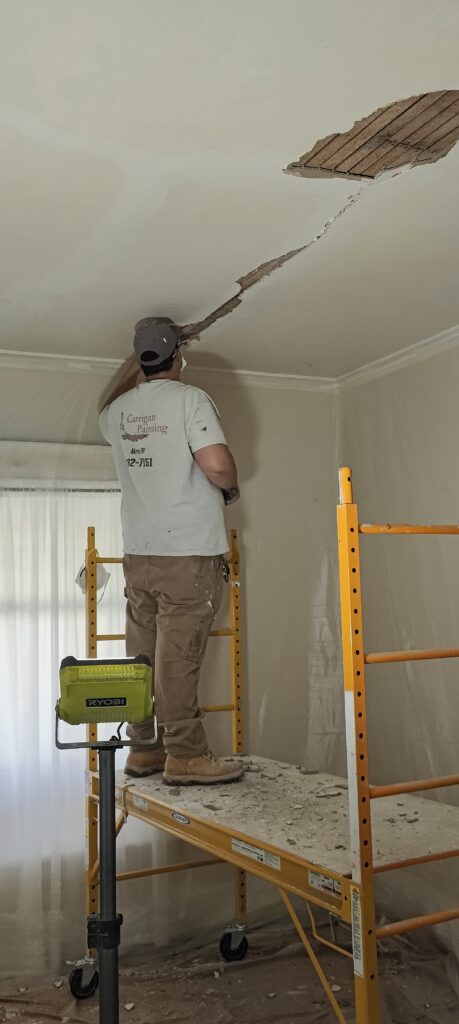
[[43, 539]]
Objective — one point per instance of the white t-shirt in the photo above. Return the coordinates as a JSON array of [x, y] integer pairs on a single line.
[[168, 505]]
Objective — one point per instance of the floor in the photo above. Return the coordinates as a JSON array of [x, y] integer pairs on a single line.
[[274, 985]]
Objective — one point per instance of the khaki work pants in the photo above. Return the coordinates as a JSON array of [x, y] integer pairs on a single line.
[[171, 605]]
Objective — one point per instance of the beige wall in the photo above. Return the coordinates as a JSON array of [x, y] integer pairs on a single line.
[[284, 442]]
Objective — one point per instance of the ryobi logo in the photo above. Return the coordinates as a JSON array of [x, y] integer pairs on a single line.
[[106, 702]]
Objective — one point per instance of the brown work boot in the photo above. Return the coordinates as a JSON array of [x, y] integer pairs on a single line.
[[204, 769], [145, 762]]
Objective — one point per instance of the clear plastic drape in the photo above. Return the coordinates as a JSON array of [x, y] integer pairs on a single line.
[[400, 436]]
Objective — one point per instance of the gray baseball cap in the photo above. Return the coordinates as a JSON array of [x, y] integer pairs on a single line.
[[156, 339]]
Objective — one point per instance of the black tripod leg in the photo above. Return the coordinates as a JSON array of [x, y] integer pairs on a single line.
[[108, 957]]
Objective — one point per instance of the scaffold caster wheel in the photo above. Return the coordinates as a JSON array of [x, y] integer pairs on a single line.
[[82, 989], [230, 951]]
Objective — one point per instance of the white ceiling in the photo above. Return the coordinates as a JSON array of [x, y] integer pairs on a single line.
[[143, 148]]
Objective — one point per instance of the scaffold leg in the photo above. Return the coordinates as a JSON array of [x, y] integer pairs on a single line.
[[314, 960]]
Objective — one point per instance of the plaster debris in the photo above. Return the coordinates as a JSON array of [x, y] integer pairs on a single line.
[[306, 815]]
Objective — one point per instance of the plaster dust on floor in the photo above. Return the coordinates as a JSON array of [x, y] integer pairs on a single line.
[[274, 985]]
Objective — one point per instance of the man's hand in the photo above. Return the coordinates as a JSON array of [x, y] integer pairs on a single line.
[[126, 378]]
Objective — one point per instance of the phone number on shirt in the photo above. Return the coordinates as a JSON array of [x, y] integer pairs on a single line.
[[139, 462]]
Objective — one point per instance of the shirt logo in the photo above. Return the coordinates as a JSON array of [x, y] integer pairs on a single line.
[[145, 425], [130, 437]]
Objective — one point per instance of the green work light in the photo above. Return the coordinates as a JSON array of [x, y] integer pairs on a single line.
[[93, 692], [114, 690]]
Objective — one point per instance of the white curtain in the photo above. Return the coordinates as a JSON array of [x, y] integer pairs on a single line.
[[43, 539]]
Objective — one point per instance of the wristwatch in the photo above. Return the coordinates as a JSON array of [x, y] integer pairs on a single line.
[[230, 495]]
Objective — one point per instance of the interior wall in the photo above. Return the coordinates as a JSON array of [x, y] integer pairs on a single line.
[[399, 434], [284, 442]]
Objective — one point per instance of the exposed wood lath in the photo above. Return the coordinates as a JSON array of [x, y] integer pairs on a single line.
[[418, 130]]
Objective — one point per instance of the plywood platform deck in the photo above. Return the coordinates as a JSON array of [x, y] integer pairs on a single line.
[[298, 813]]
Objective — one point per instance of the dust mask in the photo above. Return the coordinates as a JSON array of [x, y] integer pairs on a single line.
[[102, 579]]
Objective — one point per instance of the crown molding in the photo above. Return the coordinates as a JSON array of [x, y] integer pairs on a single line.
[[445, 341], [253, 378], [52, 362]]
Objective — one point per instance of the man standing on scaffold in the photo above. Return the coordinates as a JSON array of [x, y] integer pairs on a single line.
[[176, 474]]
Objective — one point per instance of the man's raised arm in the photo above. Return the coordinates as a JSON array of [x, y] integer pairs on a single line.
[[126, 378]]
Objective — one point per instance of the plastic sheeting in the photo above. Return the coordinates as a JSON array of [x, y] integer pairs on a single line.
[[400, 436]]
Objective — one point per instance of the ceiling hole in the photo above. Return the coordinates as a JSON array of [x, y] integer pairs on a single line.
[[419, 130]]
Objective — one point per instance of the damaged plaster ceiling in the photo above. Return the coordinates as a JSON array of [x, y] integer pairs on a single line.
[[419, 130], [130, 188], [403, 135]]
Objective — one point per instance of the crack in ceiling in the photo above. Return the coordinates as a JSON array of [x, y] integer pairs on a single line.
[[253, 277]]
